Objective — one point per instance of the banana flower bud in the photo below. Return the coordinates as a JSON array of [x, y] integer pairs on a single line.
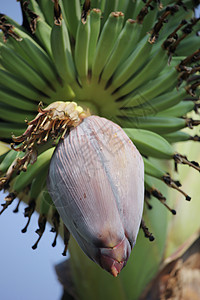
[[96, 180]]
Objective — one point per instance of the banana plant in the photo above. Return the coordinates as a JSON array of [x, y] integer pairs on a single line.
[[93, 95]]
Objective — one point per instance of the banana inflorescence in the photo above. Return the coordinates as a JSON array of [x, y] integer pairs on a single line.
[[131, 62]]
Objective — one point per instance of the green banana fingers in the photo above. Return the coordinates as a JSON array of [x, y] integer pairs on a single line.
[[33, 170], [156, 124], [72, 14], [106, 42], [82, 49], [150, 143], [178, 110], [132, 64], [17, 66], [119, 50], [7, 113], [95, 23], [61, 51]]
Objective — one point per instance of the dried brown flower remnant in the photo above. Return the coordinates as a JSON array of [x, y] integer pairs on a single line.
[[54, 121]]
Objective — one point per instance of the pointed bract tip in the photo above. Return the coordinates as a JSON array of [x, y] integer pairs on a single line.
[[114, 259], [111, 265]]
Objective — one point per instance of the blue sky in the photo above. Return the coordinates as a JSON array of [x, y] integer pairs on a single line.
[[25, 273]]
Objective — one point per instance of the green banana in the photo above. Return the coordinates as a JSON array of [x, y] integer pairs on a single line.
[[44, 209], [37, 185], [106, 42], [95, 24], [17, 66], [20, 68], [25, 178], [8, 114], [110, 6], [34, 6], [16, 101], [82, 48], [42, 30], [155, 105], [173, 22], [47, 8], [179, 136], [130, 9], [121, 5], [160, 125], [7, 129], [36, 57], [12, 22], [3, 155], [130, 66], [98, 4], [155, 193], [61, 51], [43, 34], [148, 183], [15, 45], [119, 50], [8, 159], [46, 201], [178, 110], [188, 45], [12, 83], [40, 60], [55, 218], [133, 41], [156, 172], [102, 4], [95, 3], [176, 60], [72, 15], [148, 23], [149, 72], [150, 143], [139, 6], [152, 89], [152, 170]]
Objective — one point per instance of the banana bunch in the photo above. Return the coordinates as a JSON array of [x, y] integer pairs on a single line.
[[134, 63]]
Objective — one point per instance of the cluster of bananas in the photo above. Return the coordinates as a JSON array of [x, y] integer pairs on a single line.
[[133, 62]]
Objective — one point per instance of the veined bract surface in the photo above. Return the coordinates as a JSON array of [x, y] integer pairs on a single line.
[[96, 180]]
